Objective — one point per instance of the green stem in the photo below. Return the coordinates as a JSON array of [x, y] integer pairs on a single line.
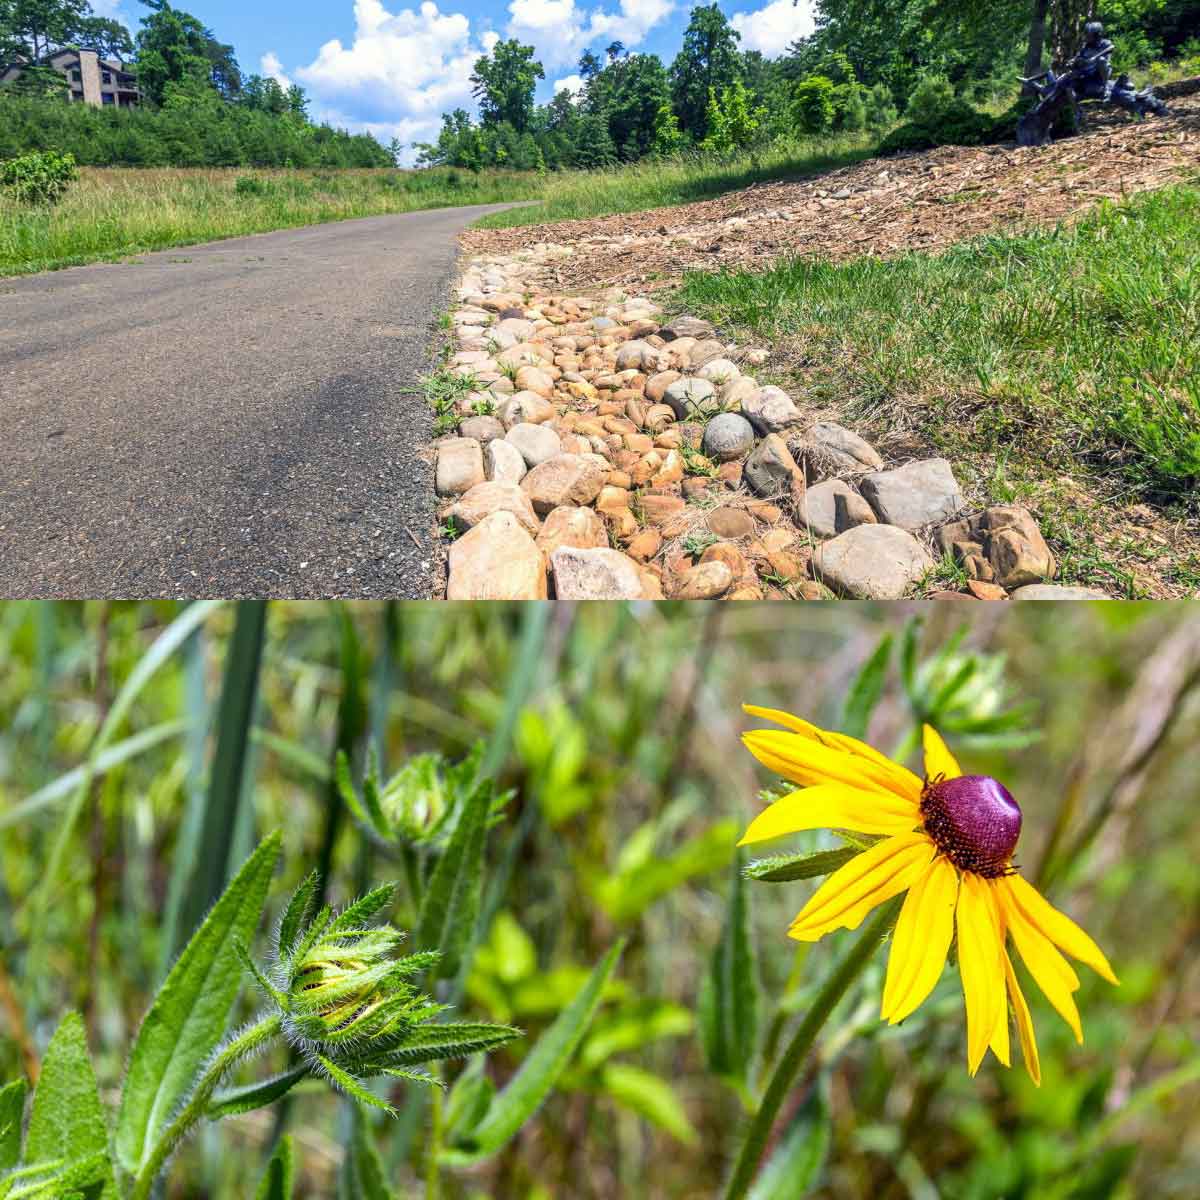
[[245, 1044], [433, 1152], [793, 1058]]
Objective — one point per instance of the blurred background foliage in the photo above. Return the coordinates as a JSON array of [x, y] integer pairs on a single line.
[[145, 746]]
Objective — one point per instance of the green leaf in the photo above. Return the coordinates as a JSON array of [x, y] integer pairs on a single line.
[[360, 913], [450, 905], [226, 791], [427, 1043], [190, 1014], [352, 1087], [627, 894], [649, 1096], [277, 1179], [784, 868], [795, 1167], [540, 1071], [635, 1029], [234, 1101], [729, 1000], [468, 1102], [298, 912], [67, 1121], [363, 1175], [866, 690], [12, 1112]]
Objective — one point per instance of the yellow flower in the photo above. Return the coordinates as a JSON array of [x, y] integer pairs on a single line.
[[948, 841]]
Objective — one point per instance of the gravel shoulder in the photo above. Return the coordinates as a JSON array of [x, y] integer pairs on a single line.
[[237, 419]]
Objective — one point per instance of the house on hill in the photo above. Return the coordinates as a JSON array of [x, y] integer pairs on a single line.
[[90, 79]]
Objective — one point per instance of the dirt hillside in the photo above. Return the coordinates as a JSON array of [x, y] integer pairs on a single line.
[[883, 206]]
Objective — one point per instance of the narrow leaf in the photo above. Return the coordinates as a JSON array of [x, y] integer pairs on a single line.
[[650, 1097], [67, 1121], [866, 690], [729, 1005], [363, 1175], [359, 913], [540, 1071], [191, 1011], [234, 1101], [468, 1102], [277, 1179], [784, 868], [352, 1087], [428, 1043], [450, 905], [298, 911], [12, 1112]]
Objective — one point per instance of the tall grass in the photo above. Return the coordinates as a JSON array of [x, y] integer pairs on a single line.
[[114, 212], [1077, 344]]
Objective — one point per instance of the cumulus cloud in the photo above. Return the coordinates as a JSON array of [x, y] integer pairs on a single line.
[[771, 29], [560, 29], [572, 83], [272, 68]]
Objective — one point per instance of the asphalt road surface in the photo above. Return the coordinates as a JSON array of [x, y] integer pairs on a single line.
[[228, 420]]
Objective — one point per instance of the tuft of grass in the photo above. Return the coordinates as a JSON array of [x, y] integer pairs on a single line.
[[1074, 346], [443, 389]]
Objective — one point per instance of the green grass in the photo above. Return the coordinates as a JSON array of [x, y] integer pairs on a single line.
[[577, 195], [1076, 346], [113, 213]]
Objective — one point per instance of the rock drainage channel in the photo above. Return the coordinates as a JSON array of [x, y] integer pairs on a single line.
[[602, 454]]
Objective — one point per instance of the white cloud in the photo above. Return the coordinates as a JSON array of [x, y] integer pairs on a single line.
[[771, 29], [560, 30], [272, 68], [572, 83]]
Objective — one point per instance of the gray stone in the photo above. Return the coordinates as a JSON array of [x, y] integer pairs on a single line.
[[482, 429], [771, 470], [851, 510], [503, 462], [871, 562], [535, 442], [565, 479], [637, 356], [596, 574], [525, 406], [1057, 591], [915, 495], [819, 508], [769, 410], [831, 449], [728, 436], [693, 327], [459, 466], [692, 398]]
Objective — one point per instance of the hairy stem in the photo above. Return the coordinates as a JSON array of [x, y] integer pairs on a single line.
[[246, 1043], [793, 1058]]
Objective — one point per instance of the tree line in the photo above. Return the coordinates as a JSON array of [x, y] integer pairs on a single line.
[[867, 62], [198, 108]]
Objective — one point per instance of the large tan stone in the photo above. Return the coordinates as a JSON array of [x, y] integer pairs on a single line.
[[565, 479], [484, 499], [595, 575], [497, 560], [459, 466], [577, 527]]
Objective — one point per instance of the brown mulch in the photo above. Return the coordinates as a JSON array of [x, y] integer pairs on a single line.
[[882, 206]]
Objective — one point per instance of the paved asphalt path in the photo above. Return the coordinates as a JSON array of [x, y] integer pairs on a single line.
[[226, 420]]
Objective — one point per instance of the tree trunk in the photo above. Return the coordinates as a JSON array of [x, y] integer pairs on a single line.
[[1037, 38], [1067, 20]]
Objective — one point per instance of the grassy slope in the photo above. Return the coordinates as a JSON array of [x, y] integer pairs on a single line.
[[116, 212], [111, 213], [1071, 350]]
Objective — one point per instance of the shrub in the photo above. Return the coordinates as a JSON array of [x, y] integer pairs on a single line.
[[931, 102], [812, 104], [251, 185], [38, 178], [881, 111]]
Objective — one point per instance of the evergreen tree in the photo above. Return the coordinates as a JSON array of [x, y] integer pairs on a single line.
[[708, 61]]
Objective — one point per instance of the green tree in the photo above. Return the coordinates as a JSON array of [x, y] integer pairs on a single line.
[[639, 88], [504, 84], [733, 124], [708, 61], [34, 27], [812, 104], [174, 46]]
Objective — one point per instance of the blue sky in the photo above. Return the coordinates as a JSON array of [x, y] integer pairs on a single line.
[[392, 67]]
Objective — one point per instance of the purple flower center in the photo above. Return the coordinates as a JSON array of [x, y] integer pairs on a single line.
[[974, 821]]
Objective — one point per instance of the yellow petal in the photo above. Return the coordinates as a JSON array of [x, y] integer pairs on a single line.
[[833, 807], [1058, 927], [921, 941], [1050, 970], [1029, 1050], [938, 759], [979, 951], [827, 737], [810, 763], [867, 880]]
